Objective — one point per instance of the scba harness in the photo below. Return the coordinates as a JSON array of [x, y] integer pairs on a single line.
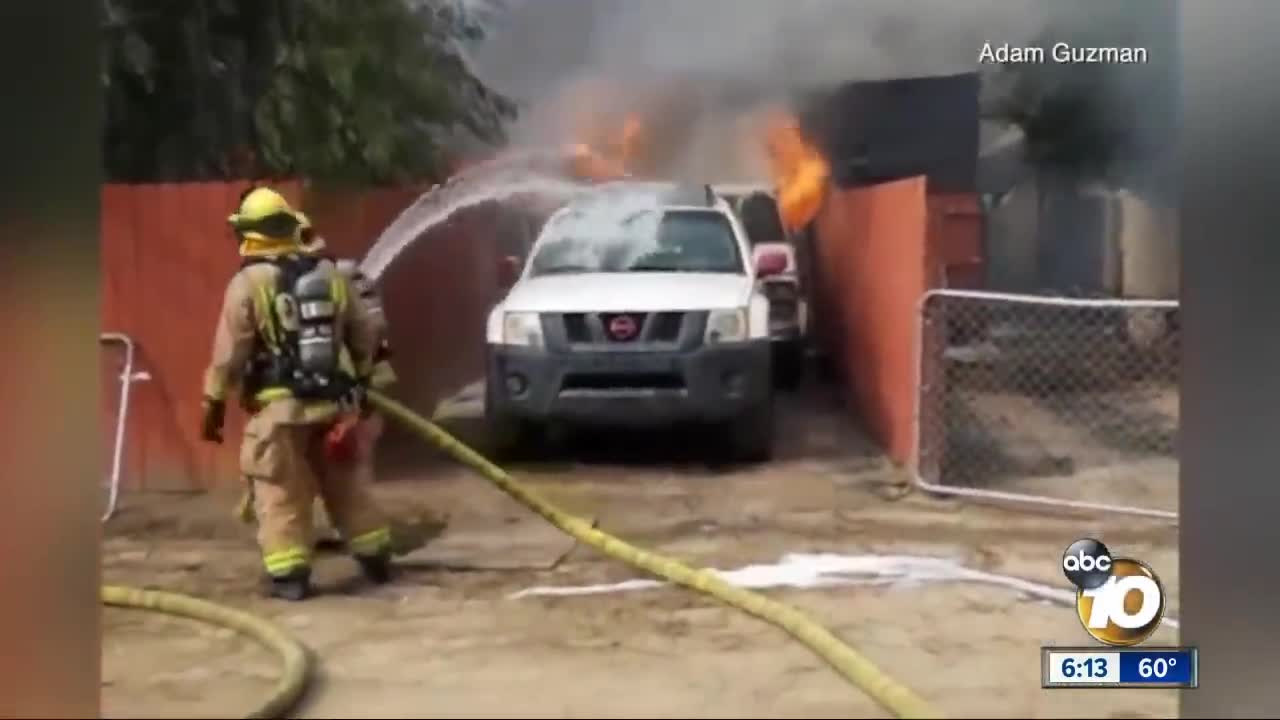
[[373, 305], [368, 293], [298, 353]]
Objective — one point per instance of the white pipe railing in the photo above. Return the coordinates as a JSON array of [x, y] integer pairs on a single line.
[[127, 378]]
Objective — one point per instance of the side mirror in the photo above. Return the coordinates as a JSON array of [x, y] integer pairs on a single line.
[[770, 263], [508, 270]]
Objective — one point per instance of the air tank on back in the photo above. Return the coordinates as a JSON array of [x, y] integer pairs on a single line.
[[317, 352]]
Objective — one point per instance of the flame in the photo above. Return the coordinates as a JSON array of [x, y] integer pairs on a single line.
[[608, 151], [800, 172], [587, 164], [630, 140]]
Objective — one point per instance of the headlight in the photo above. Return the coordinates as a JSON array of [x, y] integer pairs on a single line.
[[727, 326], [522, 328]]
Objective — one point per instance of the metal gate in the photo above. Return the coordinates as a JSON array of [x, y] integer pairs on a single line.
[[1055, 401]]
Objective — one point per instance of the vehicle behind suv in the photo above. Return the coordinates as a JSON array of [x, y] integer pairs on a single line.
[[786, 289], [638, 306]]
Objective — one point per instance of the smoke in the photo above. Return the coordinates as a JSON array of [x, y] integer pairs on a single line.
[[697, 71], [1115, 122]]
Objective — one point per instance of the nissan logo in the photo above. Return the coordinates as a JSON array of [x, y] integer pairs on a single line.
[[622, 327]]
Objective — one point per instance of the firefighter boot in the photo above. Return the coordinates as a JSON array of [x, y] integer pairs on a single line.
[[292, 586], [376, 568]]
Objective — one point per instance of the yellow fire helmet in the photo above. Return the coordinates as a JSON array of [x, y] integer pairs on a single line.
[[265, 216], [307, 234]]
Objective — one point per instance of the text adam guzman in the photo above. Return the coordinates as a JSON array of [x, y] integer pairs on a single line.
[[1005, 54]]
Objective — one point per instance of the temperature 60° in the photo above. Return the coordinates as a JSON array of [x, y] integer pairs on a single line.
[[1157, 667]]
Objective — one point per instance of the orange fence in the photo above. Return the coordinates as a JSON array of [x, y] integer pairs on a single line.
[[872, 253], [167, 255], [955, 240], [879, 249]]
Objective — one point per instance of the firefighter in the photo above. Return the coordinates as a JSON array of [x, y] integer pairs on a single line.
[[286, 317], [369, 428], [326, 536]]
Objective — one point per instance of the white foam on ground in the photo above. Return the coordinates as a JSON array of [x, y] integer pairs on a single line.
[[826, 570]]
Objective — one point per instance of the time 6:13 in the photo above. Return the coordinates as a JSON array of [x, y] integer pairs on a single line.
[[1091, 668]]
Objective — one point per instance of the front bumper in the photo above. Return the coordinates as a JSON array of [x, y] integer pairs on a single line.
[[630, 388]]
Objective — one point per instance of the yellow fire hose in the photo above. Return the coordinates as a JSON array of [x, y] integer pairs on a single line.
[[296, 661], [294, 658], [893, 696]]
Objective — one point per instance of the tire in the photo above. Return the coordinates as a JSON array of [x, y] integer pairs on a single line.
[[788, 367], [749, 437]]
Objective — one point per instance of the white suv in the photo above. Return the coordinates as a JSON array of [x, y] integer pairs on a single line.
[[639, 305]]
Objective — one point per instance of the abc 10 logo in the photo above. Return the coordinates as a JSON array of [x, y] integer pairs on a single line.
[[1120, 601]]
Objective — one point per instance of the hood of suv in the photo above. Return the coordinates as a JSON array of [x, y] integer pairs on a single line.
[[629, 292]]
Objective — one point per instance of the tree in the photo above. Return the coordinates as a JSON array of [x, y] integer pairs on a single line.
[[327, 89]]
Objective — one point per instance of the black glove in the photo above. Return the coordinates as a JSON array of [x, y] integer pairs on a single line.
[[215, 414]]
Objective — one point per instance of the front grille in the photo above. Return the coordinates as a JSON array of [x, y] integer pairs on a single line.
[[609, 328], [665, 326], [623, 327], [576, 329]]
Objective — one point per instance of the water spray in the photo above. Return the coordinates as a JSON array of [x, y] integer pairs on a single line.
[[521, 173]]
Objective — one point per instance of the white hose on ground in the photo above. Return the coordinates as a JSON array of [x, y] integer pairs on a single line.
[[826, 570]]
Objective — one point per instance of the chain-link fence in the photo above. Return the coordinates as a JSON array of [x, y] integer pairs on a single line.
[[1056, 401], [118, 375]]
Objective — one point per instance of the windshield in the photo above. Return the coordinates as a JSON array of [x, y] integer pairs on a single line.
[[646, 240]]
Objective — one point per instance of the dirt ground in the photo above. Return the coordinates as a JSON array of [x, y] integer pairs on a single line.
[[446, 640]]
